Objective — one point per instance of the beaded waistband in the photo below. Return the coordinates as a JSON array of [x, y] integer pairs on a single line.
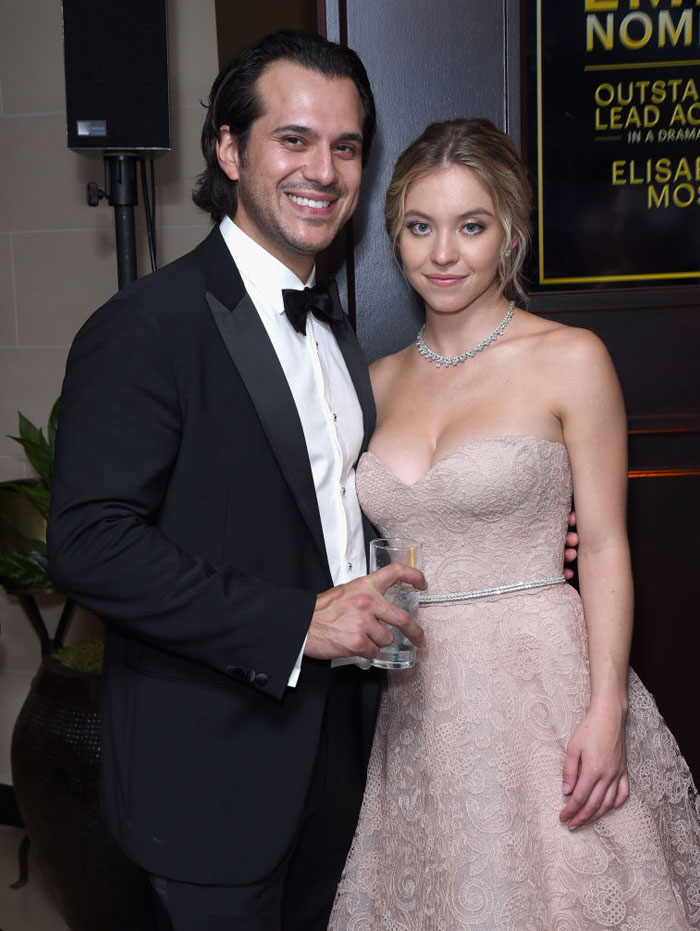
[[447, 597]]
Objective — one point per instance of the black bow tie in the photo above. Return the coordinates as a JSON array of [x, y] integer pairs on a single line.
[[322, 301]]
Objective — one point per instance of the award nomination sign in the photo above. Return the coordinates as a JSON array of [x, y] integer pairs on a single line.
[[617, 160]]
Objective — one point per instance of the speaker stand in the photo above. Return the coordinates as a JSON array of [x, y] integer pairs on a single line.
[[121, 191]]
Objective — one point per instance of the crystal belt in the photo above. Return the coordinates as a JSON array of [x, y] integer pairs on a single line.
[[447, 597]]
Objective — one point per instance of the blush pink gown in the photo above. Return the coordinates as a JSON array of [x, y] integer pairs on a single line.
[[459, 828]]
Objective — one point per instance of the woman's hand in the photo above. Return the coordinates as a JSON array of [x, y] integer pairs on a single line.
[[595, 769]]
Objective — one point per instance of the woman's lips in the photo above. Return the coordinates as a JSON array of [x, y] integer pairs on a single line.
[[445, 281]]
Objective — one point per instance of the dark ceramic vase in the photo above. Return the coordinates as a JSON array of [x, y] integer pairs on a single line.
[[55, 771]]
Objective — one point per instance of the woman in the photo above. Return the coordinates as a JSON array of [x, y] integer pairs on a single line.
[[521, 776]]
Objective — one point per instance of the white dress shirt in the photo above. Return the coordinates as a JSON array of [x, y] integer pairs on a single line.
[[325, 398]]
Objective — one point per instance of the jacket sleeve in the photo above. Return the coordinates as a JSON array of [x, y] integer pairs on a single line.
[[120, 425]]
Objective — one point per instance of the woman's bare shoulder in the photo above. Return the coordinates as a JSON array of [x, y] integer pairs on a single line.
[[562, 344], [385, 370]]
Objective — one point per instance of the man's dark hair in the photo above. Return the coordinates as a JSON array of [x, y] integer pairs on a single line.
[[234, 102]]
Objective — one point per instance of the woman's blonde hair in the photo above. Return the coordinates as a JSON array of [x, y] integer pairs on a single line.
[[476, 144]]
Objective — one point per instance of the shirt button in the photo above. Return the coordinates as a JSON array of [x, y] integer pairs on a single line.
[[335, 416], [349, 567], [342, 490]]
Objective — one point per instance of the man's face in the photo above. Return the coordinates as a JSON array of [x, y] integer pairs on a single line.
[[299, 176]]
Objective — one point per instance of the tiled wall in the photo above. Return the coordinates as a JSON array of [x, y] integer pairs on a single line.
[[57, 258]]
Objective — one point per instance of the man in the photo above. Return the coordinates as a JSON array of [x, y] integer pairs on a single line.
[[203, 498]]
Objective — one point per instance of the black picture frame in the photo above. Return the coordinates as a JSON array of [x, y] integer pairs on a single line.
[[611, 135]]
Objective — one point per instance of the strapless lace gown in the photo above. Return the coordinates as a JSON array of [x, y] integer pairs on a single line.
[[459, 826]]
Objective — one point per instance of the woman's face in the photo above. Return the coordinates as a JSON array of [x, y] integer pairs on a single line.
[[450, 240]]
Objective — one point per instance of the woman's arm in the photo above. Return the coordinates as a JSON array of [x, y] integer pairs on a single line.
[[595, 432]]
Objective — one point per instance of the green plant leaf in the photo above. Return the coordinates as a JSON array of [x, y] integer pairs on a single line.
[[29, 543], [25, 572], [11, 525], [38, 495], [28, 571], [52, 427], [36, 449]]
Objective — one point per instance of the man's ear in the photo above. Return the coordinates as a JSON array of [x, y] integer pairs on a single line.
[[227, 153]]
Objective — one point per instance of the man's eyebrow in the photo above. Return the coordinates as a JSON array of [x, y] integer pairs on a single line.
[[307, 131], [294, 128], [350, 137]]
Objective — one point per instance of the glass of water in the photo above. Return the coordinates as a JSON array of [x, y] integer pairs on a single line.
[[401, 654]]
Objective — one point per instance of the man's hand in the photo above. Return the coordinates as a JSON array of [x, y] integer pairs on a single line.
[[571, 544], [347, 618]]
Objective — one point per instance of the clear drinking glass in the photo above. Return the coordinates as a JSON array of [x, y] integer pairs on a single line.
[[401, 654]]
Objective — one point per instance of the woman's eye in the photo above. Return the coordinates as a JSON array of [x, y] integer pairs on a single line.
[[419, 228], [472, 228]]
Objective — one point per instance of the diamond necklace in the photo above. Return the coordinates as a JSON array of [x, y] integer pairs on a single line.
[[470, 353]]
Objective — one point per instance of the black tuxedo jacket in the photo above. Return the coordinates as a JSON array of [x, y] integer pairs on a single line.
[[184, 514]]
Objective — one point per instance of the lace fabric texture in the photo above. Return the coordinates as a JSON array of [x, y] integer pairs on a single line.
[[459, 827]]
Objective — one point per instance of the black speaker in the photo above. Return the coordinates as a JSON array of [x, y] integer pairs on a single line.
[[117, 91]]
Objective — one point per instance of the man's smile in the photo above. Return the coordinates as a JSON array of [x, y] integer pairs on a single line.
[[308, 202]]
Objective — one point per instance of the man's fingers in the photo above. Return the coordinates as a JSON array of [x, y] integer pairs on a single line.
[[392, 614], [350, 619], [385, 608], [395, 572], [378, 636]]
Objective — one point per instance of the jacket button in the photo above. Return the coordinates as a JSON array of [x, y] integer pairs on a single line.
[[250, 675], [261, 679], [237, 671]]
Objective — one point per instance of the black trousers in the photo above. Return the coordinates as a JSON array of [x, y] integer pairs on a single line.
[[298, 895]]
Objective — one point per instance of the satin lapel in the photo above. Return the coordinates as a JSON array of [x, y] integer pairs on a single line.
[[357, 367], [255, 359]]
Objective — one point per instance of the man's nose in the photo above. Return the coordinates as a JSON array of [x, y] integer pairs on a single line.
[[320, 166]]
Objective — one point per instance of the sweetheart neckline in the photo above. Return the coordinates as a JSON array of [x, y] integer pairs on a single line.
[[462, 446]]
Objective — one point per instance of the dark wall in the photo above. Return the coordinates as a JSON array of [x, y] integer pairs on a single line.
[[427, 61], [447, 58], [238, 25]]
